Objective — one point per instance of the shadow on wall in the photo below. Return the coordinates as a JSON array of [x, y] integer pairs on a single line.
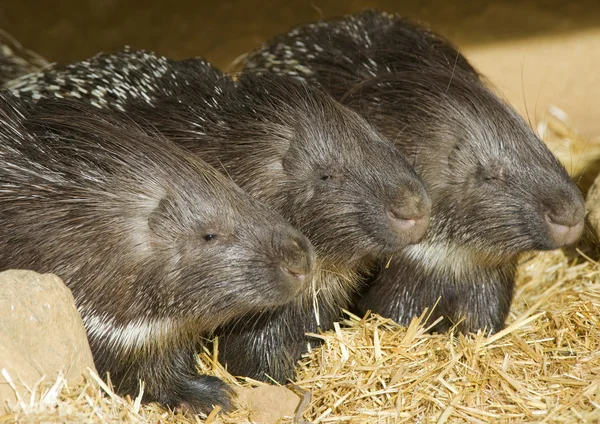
[[72, 30]]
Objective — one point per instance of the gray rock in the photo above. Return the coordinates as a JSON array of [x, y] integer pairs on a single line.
[[592, 205], [268, 404], [41, 333]]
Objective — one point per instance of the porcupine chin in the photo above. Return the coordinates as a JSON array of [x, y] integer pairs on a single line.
[[293, 147], [157, 247], [497, 190]]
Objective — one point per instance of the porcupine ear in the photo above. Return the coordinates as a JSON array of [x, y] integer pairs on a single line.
[[159, 220]]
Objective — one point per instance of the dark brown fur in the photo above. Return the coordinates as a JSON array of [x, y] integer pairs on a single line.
[[326, 171], [293, 147], [496, 189], [157, 247]]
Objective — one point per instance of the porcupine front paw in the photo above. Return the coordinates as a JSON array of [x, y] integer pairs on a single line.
[[200, 394]]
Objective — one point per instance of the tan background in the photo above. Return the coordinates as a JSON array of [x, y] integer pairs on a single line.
[[538, 52]]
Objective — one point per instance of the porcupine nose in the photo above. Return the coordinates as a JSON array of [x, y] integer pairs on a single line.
[[409, 216], [565, 228], [564, 216], [297, 261]]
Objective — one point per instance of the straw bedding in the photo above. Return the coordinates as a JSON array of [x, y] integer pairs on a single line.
[[543, 367]]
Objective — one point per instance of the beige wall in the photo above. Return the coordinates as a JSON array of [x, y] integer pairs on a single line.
[[561, 70]]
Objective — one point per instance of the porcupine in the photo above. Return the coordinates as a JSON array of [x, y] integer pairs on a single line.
[[15, 60], [157, 247], [292, 146], [497, 190]]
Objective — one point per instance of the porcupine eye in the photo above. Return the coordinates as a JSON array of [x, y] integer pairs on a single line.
[[496, 173], [331, 175], [210, 237]]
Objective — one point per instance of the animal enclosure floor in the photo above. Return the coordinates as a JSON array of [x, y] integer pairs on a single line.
[[544, 367]]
